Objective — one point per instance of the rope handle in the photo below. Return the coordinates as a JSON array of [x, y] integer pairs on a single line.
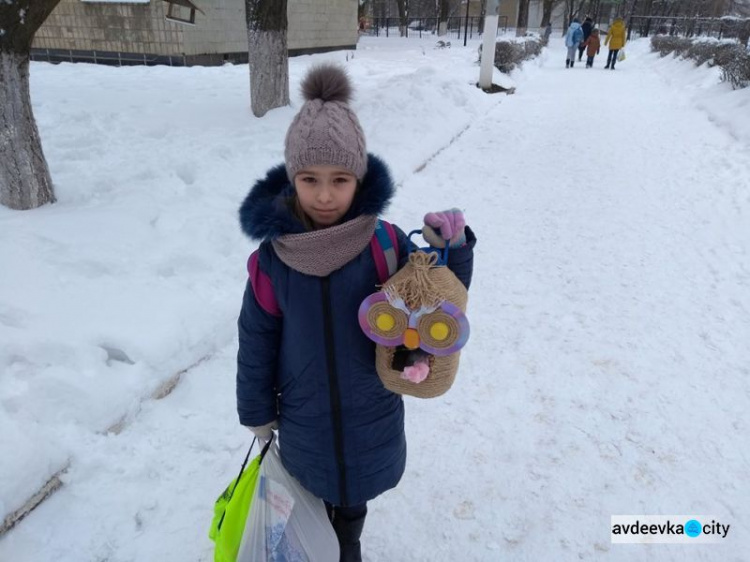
[[442, 253]]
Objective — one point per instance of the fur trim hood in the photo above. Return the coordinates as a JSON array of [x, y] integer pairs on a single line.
[[265, 215]]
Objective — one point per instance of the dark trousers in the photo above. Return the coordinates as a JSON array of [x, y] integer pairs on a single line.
[[348, 523], [612, 57], [581, 48]]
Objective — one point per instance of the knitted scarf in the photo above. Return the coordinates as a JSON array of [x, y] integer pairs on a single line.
[[321, 252]]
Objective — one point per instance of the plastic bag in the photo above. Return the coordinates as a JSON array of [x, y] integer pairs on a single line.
[[621, 55], [232, 508], [286, 523]]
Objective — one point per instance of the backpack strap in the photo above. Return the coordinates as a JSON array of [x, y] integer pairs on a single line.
[[262, 286], [384, 248]]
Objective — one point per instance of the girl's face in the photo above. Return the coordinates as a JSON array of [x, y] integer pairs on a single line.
[[325, 193]]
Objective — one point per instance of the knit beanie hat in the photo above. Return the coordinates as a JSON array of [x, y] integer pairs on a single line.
[[326, 131]]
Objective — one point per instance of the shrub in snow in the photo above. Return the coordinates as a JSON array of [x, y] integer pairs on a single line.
[[511, 54], [737, 71], [508, 55], [666, 44], [701, 52], [730, 56], [725, 53]]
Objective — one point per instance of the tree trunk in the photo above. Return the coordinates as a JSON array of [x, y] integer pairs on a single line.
[[267, 54], [445, 7], [547, 7], [403, 16], [522, 22], [25, 181]]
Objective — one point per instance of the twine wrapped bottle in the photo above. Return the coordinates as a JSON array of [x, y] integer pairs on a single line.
[[422, 283]]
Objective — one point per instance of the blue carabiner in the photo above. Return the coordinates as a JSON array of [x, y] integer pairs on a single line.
[[442, 253]]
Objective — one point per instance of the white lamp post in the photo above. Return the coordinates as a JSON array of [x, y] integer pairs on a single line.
[[488, 44]]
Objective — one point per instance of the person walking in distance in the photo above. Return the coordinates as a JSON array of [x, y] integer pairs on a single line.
[[573, 38], [588, 25], [592, 46], [615, 40]]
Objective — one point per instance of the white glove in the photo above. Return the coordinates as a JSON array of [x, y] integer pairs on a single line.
[[264, 432]]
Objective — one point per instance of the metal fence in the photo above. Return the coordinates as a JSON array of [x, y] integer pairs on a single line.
[[458, 27], [720, 28]]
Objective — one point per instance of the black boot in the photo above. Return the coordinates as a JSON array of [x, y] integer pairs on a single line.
[[348, 523], [571, 63], [567, 63]]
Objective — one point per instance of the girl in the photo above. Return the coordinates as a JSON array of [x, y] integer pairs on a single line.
[[592, 45], [304, 367]]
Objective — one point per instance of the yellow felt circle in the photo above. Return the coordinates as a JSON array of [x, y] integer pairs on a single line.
[[440, 331], [385, 322]]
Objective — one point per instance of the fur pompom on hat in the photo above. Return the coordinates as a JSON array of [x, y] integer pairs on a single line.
[[326, 132]]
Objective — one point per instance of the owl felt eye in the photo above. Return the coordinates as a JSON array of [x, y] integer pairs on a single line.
[[388, 322], [381, 322], [444, 331]]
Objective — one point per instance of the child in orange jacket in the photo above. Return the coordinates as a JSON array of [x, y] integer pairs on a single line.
[[592, 44]]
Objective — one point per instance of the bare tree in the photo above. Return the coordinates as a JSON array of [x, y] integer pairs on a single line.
[[443, 14], [522, 22], [25, 182], [268, 55], [572, 10], [547, 7], [739, 7], [403, 16]]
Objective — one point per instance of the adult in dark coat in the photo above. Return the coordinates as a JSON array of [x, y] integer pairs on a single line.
[[586, 27]]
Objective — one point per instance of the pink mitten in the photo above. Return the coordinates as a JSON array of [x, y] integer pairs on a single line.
[[445, 225]]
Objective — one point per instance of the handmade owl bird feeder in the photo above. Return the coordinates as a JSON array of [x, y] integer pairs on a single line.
[[418, 321]]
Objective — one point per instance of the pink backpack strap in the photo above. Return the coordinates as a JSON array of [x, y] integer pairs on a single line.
[[394, 240], [262, 287], [384, 248]]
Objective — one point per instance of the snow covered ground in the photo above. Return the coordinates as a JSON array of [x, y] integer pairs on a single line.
[[608, 371]]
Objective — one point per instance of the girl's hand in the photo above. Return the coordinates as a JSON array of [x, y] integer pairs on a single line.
[[264, 432], [445, 226]]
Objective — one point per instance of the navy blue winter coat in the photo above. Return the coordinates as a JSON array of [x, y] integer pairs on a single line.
[[310, 366]]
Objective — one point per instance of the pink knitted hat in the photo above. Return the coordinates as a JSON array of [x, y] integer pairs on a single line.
[[326, 131]]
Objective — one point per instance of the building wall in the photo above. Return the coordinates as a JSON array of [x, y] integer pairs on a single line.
[[509, 10], [322, 24], [133, 28], [103, 31], [222, 29], [508, 13]]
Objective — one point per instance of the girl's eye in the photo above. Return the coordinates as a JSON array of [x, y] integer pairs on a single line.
[[308, 179], [341, 180]]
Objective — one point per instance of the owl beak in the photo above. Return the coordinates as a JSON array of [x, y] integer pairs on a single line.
[[411, 339]]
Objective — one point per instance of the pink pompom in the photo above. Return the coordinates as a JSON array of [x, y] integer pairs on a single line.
[[417, 372]]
